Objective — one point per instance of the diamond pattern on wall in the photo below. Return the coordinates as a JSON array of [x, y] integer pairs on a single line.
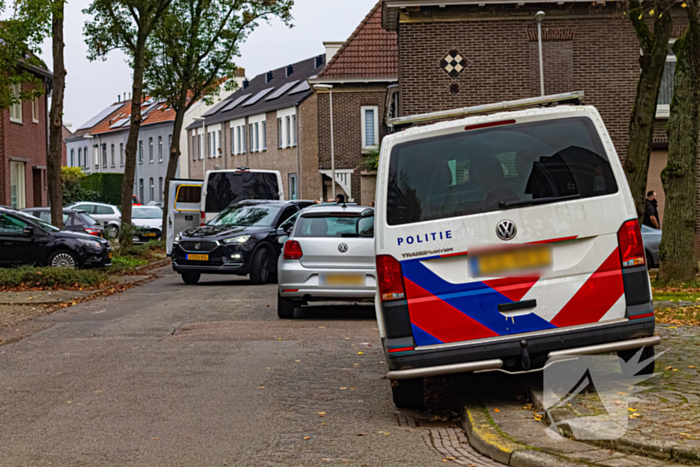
[[454, 63]]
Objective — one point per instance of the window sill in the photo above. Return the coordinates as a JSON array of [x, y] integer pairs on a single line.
[[368, 149], [18, 122]]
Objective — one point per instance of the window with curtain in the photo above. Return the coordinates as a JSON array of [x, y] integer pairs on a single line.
[[218, 146], [288, 130], [121, 154], [152, 189], [264, 135], [141, 190], [194, 147], [252, 137], [104, 155], [72, 154], [140, 152], [112, 157], [233, 140], [35, 110], [257, 138], [160, 189], [85, 158], [294, 130], [663, 104], [160, 149], [80, 154], [369, 126], [150, 150], [280, 139], [18, 193], [16, 107]]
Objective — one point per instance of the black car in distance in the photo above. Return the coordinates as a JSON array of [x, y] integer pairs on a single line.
[[25, 239], [74, 220], [242, 239]]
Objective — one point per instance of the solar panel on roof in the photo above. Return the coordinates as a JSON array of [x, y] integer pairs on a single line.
[[100, 116], [302, 87], [120, 122], [282, 90], [258, 96], [233, 104]]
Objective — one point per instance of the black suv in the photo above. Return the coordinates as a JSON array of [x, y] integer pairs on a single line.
[[25, 239], [243, 239]]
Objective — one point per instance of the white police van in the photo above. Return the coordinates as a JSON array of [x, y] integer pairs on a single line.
[[503, 240]]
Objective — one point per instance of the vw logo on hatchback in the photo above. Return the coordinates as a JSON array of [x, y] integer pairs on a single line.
[[506, 230], [343, 247]]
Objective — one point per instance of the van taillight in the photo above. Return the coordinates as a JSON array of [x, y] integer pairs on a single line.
[[390, 278], [202, 218], [292, 250], [629, 238]]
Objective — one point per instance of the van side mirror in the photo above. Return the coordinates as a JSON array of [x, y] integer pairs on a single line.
[[365, 226]]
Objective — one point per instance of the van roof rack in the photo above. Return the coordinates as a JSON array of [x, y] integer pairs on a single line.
[[575, 98]]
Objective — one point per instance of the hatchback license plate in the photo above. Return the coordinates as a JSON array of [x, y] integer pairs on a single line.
[[506, 261], [343, 280], [197, 257]]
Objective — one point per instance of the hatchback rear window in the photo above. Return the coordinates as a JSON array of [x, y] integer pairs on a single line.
[[497, 168], [340, 226], [225, 188]]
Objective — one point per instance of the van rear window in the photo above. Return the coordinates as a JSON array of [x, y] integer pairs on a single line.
[[224, 188], [497, 168]]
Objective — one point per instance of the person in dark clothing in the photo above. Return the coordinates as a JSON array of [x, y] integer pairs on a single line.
[[651, 211]]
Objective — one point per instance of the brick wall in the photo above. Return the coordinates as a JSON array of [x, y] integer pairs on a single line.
[[25, 142], [347, 102], [308, 131], [599, 55]]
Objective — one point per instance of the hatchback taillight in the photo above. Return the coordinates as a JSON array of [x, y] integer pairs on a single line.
[[629, 238], [292, 250], [95, 232], [390, 278], [202, 218]]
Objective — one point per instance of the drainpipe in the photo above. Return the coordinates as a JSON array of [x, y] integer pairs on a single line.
[[539, 17]]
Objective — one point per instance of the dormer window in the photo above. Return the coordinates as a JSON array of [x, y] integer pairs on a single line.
[[318, 61], [268, 76], [290, 70]]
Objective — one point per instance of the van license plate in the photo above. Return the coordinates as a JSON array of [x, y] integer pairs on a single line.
[[197, 257], [343, 280], [507, 261]]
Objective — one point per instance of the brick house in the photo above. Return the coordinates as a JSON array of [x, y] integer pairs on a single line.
[[587, 46], [24, 144], [270, 122], [363, 73]]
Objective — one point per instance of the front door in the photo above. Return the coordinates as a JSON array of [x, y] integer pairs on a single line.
[[18, 184]]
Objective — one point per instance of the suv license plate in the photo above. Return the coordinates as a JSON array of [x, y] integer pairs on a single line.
[[150, 234], [197, 257], [343, 280]]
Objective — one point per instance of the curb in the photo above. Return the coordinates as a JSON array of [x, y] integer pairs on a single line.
[[664, 450], [487, 440]]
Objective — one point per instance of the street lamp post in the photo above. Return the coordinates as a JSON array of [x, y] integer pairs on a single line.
[[204, 169], [330, 90], [539, 17]]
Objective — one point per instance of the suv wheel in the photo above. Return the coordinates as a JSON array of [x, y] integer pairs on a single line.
[[260, 271], [633, 369], [64, 259], [191, 278], [407, 393], [285, 307]]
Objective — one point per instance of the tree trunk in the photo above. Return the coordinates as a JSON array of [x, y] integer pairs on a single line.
[[679, 177], [172, 165], [126, 233], [53, 161], [641, 129]]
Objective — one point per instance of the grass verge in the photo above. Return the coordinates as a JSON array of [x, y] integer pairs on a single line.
[[47, 278], [126, 260]]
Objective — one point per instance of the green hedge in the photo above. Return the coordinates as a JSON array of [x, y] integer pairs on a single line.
[[108, 186], [30, 276]]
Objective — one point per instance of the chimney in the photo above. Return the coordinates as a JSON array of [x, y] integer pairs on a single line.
[[129, 96], [331, 49], [246, 83], [119, 97], [239, 73], [289, 71], [124, 97]]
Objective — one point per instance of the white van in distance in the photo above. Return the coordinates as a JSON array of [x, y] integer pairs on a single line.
[[504, 240]]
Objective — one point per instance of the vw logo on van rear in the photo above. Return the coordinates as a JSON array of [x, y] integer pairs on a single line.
[[506, 230], [343, 247]]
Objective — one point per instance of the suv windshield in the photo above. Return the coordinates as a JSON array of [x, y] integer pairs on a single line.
[[147, 213], [497, 168], [247, 216], [331, 226], [224, 188]]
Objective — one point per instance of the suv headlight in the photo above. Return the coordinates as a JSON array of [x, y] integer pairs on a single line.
[[176, 239], [239, 239], [90, 243]]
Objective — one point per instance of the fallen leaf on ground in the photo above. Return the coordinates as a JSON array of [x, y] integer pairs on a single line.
[[306, 437], [450, 458], [326, 459], [438, 418], [690, 367], [155, 439], [297, 361], [360, 434], [631, 409], [444, 460], [495, 410], [261, 387], [321, 414], [360, 353], [343, 388], [668, 368], [621, 394]]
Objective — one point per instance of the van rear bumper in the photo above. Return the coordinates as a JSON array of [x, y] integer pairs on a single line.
[[506, 354]]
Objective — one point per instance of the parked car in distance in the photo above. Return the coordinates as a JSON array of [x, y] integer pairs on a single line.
[[74, 220], [505, 240], [325, 259], [109, 216], [652, 240], [135, 201], [148, 221], [25, 239], [243, 239], [157, 204]]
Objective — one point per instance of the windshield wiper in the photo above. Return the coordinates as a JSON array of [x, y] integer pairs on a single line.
[[503, 204]]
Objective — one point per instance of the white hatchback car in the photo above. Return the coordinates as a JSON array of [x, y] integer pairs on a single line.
[[329, 256]]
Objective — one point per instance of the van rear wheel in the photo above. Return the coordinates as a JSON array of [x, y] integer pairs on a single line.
[[407, 393], [632, 368]]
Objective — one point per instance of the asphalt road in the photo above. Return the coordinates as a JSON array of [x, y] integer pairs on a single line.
[[169, 374]]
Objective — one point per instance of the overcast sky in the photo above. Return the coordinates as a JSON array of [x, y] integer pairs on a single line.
[[92, 86]]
